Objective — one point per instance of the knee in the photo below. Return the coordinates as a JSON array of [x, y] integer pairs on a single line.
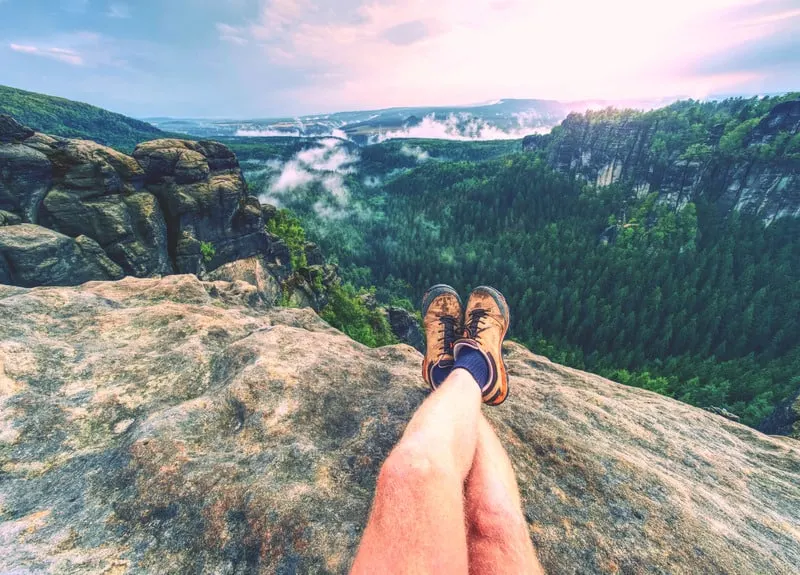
[[411, 464], [496, 520]]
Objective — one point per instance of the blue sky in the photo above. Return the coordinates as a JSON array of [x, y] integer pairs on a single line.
[[267, 58]]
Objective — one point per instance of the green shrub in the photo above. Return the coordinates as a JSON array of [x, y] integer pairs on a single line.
[[208, 251], [347, 312], [288, 228]]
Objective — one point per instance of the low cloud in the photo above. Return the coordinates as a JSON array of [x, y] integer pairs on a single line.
[[462, 127], [61, 54], [327, 164], [415, 152], [245, 133]]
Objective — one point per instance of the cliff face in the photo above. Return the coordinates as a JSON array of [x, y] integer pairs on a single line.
[[149, 213], [173, 425], [626, 149], [73, 211]]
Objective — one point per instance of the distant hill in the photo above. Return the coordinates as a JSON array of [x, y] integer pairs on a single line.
[[69, 119]]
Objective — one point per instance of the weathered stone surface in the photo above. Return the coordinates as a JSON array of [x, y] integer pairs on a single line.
[[785, 420], [13, 131], [32, 255], [25, 178], [253, 271], [314, 255], [155, 426], [201, 188], [602, 153]]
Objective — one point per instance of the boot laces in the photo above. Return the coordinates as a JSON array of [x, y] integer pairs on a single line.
[[475, 325], [449, 333]]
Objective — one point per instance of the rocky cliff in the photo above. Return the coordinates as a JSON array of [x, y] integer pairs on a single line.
[[653, 152], [72, 211], [179, 426]]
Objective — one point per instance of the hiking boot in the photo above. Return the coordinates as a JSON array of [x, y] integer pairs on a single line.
[[486, 322], [441, 313]]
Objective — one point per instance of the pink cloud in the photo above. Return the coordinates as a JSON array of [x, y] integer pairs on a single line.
[[61, 54]]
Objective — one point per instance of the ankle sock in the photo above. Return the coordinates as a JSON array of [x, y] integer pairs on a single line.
[[440, 371], [475, 363]]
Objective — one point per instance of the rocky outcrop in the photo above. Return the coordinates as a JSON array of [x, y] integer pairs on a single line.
[[624, 149], [201, 190], [151, 214], [32, 256], [173, 425], [785, 420]]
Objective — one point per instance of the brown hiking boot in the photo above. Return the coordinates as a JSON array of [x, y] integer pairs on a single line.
[[441, 313], [486, 323]]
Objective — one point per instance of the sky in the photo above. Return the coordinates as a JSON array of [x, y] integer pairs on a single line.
[[276, 58]]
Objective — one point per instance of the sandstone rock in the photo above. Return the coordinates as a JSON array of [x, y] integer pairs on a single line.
[[201, 188], [13, 131], [25, 178], [253, 271], [605, 152], [31, 255], [154, 426], [314, 255], [80, 188]]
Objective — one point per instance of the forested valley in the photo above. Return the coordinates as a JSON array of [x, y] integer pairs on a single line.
[[685, 299]]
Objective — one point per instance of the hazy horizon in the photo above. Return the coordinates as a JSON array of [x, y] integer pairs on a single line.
[[286, 58]]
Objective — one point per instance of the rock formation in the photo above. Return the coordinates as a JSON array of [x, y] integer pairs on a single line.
[[623, 149], [179, 426], [72, 211]]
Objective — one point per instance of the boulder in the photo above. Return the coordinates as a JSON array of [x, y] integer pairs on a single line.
[[25, 178], [32, 255], [13, 131], [253, 271], [200, 187], [130, 228], [168, 425]]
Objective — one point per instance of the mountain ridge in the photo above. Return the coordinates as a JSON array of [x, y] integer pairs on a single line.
[[72, 119]]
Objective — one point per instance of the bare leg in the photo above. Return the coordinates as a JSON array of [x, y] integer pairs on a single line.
[[417, 522], [498, 538]]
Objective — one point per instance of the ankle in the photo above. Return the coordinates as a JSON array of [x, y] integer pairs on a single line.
[[473, 361]]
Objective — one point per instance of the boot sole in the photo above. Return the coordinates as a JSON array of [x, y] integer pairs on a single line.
[[500, 300]]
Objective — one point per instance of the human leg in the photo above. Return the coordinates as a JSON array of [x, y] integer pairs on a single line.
[[417, 523], [497, 534]]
